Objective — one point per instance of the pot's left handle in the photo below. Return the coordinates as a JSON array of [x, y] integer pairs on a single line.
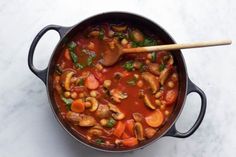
[[42, 74]]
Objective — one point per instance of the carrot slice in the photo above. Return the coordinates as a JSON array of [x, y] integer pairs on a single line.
[[155, 119], [78, 106], [129, 126], [125, 136], [91, 82], [130, 142], [171, 97], [120, 127]]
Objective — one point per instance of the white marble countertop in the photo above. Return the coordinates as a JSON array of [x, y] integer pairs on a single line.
[[27, 125]]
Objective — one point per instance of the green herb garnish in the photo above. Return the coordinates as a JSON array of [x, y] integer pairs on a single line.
[[101, 34], [74, 57], [153, 56], [162, 67], [90, 60], [81, 82], [72, 45], [120, 35], [67, 102], [110, 123], [145, 42], [133, 81], [99, 141], [80, 66], [129, 65]]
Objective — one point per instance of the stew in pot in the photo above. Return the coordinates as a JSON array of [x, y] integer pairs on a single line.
[[118, 106]]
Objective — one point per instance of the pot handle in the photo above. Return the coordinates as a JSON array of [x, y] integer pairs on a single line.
[[191, 88], [42, 74]]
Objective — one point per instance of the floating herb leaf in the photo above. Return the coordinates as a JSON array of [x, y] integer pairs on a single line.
[[67, 102], [99, 141], [162, 67], [129, 65], [133, 81], [153, 56], [110, 123], [72, 45]]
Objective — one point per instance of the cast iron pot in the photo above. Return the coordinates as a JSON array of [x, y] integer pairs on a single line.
[[186, 86]]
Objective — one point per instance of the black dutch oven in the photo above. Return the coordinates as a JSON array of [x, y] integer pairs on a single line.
[[186, 86]]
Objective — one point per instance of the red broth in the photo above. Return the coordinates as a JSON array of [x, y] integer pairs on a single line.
[[118, 106]]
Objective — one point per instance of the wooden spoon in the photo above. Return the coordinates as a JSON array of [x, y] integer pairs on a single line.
[[110, 58]]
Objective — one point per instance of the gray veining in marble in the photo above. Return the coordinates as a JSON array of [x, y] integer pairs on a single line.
[[27, 125]]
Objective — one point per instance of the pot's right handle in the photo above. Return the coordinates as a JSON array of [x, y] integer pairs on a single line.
[[191, 88], [42, 74]]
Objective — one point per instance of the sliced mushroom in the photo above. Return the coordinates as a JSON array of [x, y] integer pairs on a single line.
[[66, 78], [94, 103], [163, 76], [119, 28], [138, 131], [171, 60], [103, 111], [118, 95], [94, 33], [148, 103], [150, 132], [95, 131], [154, 68], [86, 121], [117, 114], [151, 79], [73, 117], [138, 117]]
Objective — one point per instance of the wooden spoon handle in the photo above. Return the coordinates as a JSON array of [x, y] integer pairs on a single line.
[[177, 46]]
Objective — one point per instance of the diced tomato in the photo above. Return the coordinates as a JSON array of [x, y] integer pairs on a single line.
[[120, 127], [130, 142], [129, 127], [125, 136]]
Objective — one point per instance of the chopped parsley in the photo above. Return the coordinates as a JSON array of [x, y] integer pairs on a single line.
[[129, 65], [153, 56], [110, 123], [132, 81], [99, 141], [67, 102], [145, 42], [162, 67]]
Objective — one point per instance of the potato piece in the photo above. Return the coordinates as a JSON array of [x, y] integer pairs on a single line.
[[151, 79], [155, 119], [150, 132], [148, 103]]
